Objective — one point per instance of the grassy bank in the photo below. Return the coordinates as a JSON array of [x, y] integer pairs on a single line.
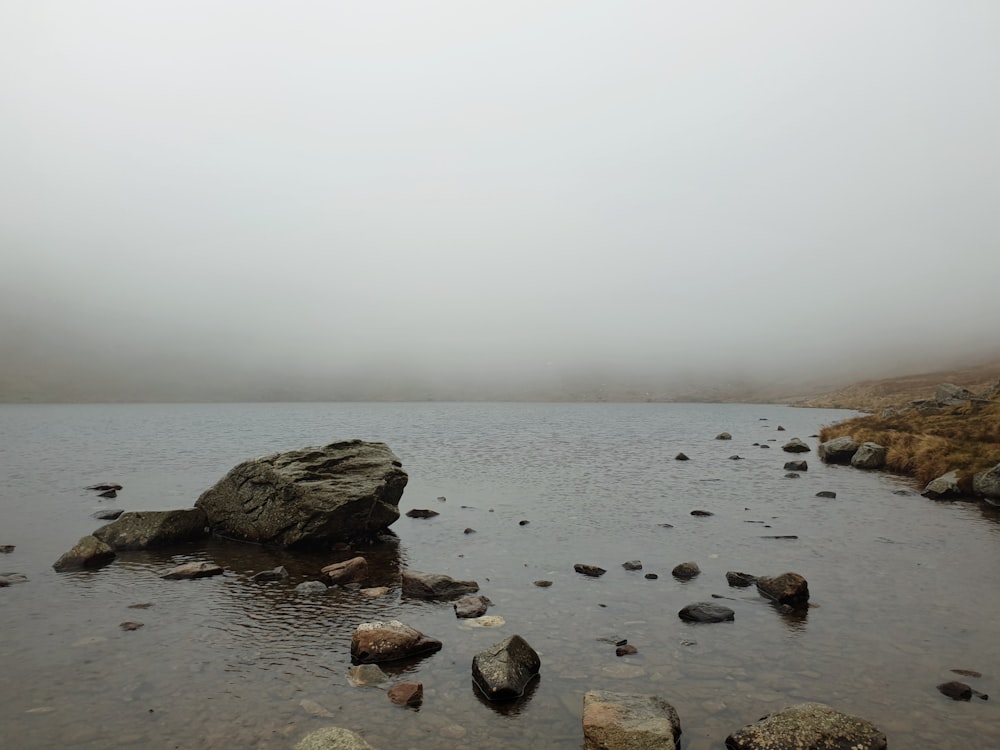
[[924, 446]]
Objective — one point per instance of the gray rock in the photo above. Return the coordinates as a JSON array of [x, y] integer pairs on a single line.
[[375, 642], [632, 565], [354, 570], [471, 606], [987, 483], [89, 552], [367, 675], [869, 456], [153, 528], [686, 570], [706, 612], [796, 466], [723, 436], [944, 487], [338, 492], [9, 579], [312, 587], [625, 721], [951, 395], [837, 451], [808, 725], [333, 738], [504, 670], [276, 574], [435, 585], [740, 580], [193, 570], [789, 588], [795, 446], [106, 515], [826, 493]]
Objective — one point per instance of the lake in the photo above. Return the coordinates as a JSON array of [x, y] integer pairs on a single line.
[[903, 589]]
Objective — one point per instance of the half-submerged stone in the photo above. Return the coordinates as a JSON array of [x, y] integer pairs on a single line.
[[625, 721], [504, 670], [706, 612], [434, 585], [153, 528], [837, 451], [808, 725], [589, 570], [193, 570], [375, 642], [89, 552], [795, 445], [342, 491], [354, 570], [789, 589]]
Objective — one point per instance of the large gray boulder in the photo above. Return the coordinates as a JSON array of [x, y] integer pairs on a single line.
[[944, 487], [153, 528], [504, 670], [339, 492], [808, 725], [987, 484], [869, 456], [837, 451], [89, 552], [625, 721]]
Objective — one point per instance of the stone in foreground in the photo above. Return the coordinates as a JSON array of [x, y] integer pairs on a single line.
[[339, 492], [375, 642], [89, 552], [193, 570], [434, 585], [624, 721], [333, 738], [153, 528], [808, 726], [504, 670], [790, 589]]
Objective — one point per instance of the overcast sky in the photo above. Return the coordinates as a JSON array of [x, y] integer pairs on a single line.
[[512, 187]]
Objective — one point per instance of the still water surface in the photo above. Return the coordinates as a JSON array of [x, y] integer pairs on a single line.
[[904, 589]]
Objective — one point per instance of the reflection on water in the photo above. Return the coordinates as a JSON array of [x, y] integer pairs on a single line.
[[903, 588]]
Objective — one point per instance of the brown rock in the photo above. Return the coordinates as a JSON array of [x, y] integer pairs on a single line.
[[354, 570], [788, 588], [193, 570], [406, 694], [375, 642]]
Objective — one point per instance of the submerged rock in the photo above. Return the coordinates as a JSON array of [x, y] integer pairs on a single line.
[[89, 552], [337, 492], [944, 487], [955, 690], [626, 721], [275, 574], [375, 642], [193, 570], [311, 587], [632, 565], [807, 726], [153, 528], [366, 675], [435, 585], [795, 445], [504, 670], [406, 693], [354, 570]]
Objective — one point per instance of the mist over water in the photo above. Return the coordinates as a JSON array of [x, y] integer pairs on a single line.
[[450, 200]]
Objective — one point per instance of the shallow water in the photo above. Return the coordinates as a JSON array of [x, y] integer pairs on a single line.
[[903, 588]]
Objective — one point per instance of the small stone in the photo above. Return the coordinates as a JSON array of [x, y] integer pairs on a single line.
[[143, 605], [543, 584], [651, 576], [333, 738], [422, 513], [792, 475], [406, 694], [681, 457], [826, 493], [523, 523], [471, 606], [967, 672], [442, 498], [958, 691], [109, 494], [589, 570], [702, 513], [723, 436], [626, 650], [632, 565], [665, 525], [131, 625], [740, 580], [107, 515], [706, 612], [366, 675]]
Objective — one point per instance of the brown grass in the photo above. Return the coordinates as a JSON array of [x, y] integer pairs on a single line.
[[964, 438]]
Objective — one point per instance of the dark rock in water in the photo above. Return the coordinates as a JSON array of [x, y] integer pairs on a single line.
[[469, 531], [442, 498], [589, 570], [504, 670], [837, 451], [421, 513], [6, 549], [626, 650], [789, 588], [626, 721], [141, 605], [740, 580], [808, 726], [723, 436], [342, 491], [375, 642], [104, 487], [780, 429], [89, 552], [869, 456], [704, 513], [471, 606], [795, 445], [131, 625], [781, 536], [958, 691], [276, 574], [685, 570], [681, 457], [826, 493], [632, 565], [903, 493], [406, 693], [354, 570], [736, 458], [311, 587], [106, 515], [796, 465], [665, 525], [968, 672], [153, 528], [651, 576], [435, 586], [543, 584], [765, 446], [792, 475], [193, 570], [706, 612], [523, 523], [109, 494]]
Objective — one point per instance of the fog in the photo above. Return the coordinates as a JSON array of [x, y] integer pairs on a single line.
[[254, 199]]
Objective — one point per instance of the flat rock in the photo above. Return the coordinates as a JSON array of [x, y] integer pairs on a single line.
[[354, 570], [375, 642], [706, 612], [338, 492], [955, 690], [808, 726], [374, 592], [434, 585], [504, 670], [592, 571], [6, 549], [471, 606], [627, 721], [275, 574], [131, 625], [193, 570], [153, 528], [89, 552], [366, 675], [702, 513]]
